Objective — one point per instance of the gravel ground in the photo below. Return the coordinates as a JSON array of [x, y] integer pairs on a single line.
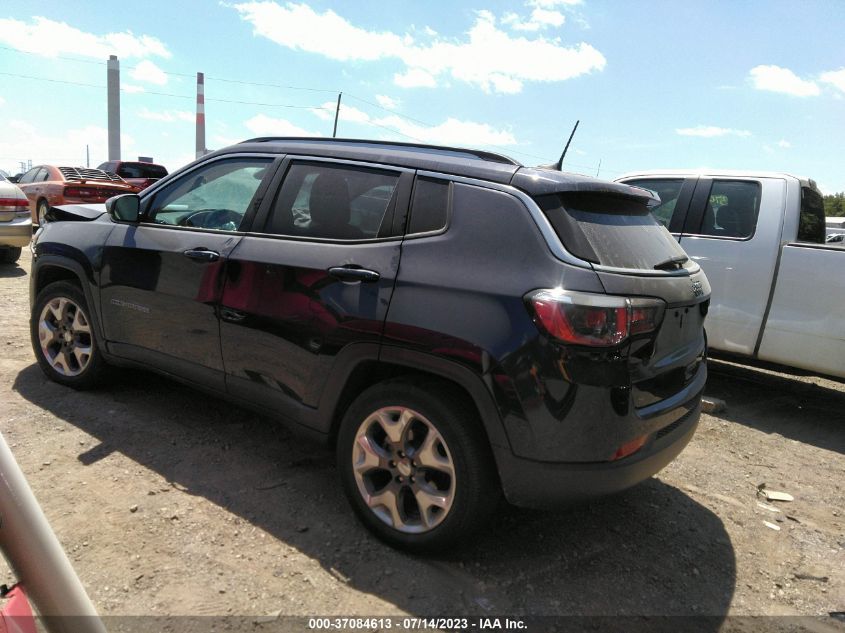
[[170, 502]]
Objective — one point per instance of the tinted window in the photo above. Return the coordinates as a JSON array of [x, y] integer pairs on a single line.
[[141, 170], [612, 231], [42, 175], [731, 209], [811, 226], [333, 201], [215, 196], [668, 190], [430, 207], [107, 166]]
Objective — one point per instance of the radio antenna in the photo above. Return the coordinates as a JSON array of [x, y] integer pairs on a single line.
[[559, 164]]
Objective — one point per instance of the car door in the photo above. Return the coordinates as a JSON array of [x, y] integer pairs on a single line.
[[733, 231], [314, 278], [31, 183], [161, 278]]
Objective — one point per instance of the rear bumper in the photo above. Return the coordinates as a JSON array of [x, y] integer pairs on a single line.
[[16, 233], [535, 484], [539, 484]]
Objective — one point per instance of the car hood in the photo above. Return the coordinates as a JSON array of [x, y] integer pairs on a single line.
[[77, 212]]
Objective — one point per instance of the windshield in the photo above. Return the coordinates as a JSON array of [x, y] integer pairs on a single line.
[[612, 231]]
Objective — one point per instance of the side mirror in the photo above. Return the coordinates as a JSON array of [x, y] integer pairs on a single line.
[[124, 208]]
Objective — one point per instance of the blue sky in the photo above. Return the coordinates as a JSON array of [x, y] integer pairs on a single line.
[[683, 84]]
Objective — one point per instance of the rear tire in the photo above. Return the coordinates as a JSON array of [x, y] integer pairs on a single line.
[[416, 465], [43, 207], [9, 255], [62, 335]]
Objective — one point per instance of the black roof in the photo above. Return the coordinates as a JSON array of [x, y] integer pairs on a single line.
[[457, 161]]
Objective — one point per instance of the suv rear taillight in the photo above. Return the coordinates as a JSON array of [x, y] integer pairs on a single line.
[[595, 320]]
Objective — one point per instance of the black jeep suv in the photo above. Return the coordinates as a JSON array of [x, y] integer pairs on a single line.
[[455, 325]]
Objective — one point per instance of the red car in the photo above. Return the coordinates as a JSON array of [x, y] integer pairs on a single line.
[[47, 186], [140, 174]]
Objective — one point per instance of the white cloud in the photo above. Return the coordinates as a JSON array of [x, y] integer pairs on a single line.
[[784, 144], [166, 116], [263, 125], [131, 88], [835, 78], [548, 4], [383, 100], [414, 78], [539, 19], [149, 72], [2, 101], [22, 141], [450, 132], [486, 56], [50, 38], [710, 131], [777, 79]]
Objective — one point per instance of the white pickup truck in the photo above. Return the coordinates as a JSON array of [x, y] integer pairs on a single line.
[[778, 290]]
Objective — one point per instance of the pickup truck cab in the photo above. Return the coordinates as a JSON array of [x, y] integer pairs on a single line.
[[760, 238]]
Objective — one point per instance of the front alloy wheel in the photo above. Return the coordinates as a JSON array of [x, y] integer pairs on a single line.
[[403, 469], [64, 333], [63, 337]]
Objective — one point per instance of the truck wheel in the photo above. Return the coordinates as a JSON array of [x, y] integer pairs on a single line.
[[9, 255], [415, 464], [63, 337]]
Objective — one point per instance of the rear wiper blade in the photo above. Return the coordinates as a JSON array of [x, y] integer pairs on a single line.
[[673, 263]]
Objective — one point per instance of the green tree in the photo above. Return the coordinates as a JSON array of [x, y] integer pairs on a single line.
[[834, 204]]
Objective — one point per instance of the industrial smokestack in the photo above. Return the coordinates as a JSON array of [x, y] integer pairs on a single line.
[[113, 92], [200, 115]]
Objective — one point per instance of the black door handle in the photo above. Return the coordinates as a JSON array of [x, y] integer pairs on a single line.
[[354, 274], [202, 255]]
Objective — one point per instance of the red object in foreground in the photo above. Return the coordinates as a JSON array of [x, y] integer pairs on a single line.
[[16, 615]]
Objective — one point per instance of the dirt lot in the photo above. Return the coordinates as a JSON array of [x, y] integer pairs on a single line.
[[170, 502]]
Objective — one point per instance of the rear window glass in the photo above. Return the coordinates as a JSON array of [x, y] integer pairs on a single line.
[[612, 231], [141, 170], [811, 225]]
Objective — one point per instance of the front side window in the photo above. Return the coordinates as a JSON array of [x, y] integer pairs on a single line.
[[732, 209], [215, 196], [327, 201], [668, 189]]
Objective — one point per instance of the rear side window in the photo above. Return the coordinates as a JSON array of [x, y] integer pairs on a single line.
[[811, 224], [612, 231], [668, 189], [732, 209], [141, 170], [334, 202], [430, 208]]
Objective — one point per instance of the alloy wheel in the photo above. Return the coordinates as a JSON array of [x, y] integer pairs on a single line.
[[64, 333], [404, 469]]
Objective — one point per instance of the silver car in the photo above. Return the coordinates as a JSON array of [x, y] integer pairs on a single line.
[[15, 221]]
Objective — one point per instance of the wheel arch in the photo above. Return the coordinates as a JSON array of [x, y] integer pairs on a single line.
[[372, 365]]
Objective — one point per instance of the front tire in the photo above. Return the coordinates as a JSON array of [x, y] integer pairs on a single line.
[[415, 464], [62, 335]]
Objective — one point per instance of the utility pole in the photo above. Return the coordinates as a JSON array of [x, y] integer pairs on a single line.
[[113, 97], [87, 156], [336, 114], [599, 169]]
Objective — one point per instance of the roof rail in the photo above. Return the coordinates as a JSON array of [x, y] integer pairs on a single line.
[[479, 154]]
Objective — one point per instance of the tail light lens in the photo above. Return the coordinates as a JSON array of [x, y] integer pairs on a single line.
[[595, 320], [80, 192], [19, 206]]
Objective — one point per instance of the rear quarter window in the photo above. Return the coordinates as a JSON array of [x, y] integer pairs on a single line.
[[811, 223], [611, 231]]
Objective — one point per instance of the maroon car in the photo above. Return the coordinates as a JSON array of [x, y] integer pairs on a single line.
[[140, 174]]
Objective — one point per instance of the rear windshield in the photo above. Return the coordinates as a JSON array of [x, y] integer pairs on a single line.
[[141, 170], [612, 231]]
